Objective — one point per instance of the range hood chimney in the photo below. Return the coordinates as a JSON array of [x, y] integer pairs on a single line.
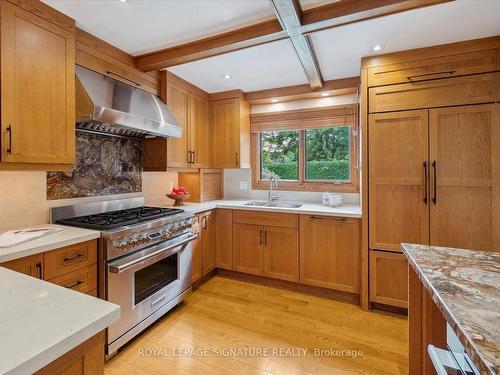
[[105, 105]]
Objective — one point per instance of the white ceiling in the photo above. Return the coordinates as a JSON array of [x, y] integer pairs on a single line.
[[262, 67], [339, 50], [139, 26]]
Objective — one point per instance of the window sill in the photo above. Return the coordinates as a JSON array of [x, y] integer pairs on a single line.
[[307, 186]]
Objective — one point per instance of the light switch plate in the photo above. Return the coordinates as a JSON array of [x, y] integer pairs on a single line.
[[243, 185]]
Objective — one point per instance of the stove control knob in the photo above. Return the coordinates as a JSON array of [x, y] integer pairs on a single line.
[[122, 246]]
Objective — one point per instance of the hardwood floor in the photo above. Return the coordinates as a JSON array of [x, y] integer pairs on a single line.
[[225, 313]]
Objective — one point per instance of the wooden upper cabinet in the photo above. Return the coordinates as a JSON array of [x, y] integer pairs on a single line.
[[230, 133], [177, 148], [30, 265], [329, 252], [190, 107], [224, 238], [434, 68], [465, 147], [37, 90], [248, 249], [474, 89], [399, 200]]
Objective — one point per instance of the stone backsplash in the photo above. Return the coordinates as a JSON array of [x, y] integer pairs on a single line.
[[104, 165]]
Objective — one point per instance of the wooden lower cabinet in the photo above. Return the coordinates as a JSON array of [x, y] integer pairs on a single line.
[[208, 230], [86, 359], [248, 250], [73, 267], [388, 278], [281, 253], [30, 265], [203, 259], [224, 239], [329, 252]]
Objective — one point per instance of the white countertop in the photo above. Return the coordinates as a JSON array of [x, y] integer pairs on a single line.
[[307, 208], [68, 236], [42, 321]]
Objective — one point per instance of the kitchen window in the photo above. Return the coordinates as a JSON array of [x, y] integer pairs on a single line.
[[313, 150]]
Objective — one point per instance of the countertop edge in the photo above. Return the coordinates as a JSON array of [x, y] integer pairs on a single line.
[[47, 247], [464, 338], [52, 353]]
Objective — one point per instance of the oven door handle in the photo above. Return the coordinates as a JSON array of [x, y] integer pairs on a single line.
[[175, 246]]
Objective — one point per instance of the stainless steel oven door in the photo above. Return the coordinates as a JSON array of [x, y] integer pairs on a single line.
[[143, 282]]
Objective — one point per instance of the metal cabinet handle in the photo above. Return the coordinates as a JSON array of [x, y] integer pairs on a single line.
[[109, 72], [193, 154], [449, 72], [434, 194], [236, 159], [204, 222], [265, 236], [39, 270], [9, 130], [75, 284], [260, 237], [72, 258], [426, 182], [189, 157], [327, 218]]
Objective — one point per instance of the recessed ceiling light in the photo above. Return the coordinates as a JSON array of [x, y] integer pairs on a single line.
[[227, 76], [377, 47], [122, 1], [274, 100], [325, 94]]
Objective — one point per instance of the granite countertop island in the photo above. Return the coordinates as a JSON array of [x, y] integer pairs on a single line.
[[42, 321], [465, 285]]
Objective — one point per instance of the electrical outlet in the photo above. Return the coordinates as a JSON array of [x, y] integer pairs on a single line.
[[243, 185]]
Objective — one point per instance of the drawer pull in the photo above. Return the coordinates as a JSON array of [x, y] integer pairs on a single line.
[[327, 218], [9, 130], [410, 78], [66, 260], [79, 282]]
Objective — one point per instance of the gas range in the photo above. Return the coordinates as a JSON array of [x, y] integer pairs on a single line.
[[144, 259]]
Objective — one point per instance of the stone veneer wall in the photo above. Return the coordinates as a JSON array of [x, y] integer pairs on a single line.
[[104, 165]]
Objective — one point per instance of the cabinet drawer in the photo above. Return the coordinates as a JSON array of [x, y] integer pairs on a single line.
[[70, 258], [270, 219], [434, 68], [480, 88], [83, 280], [388, 278]]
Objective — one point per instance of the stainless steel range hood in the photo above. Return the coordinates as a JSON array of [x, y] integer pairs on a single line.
[[109, 106]]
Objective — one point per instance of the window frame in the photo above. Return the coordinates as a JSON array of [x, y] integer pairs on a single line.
[[301, 120]]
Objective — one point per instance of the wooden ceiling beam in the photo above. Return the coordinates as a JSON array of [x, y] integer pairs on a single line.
[[335, 87], [350, 11], [249, 36], [315, 19], [289, 14]]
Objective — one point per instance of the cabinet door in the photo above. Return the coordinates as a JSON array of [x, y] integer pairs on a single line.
[[281, 253], [329, 252], [224, 238], [177, 148], [225, 133], [30, 265], [388, 278], [38, 89], [199, 131], [197, 253], [248, 249], [465, 145], [398, 208], [208, 241]]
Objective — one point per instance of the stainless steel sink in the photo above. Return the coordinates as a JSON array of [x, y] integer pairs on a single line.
[[274, 204]]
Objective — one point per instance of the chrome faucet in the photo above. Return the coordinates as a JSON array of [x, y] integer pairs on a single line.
[[272, 197]]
